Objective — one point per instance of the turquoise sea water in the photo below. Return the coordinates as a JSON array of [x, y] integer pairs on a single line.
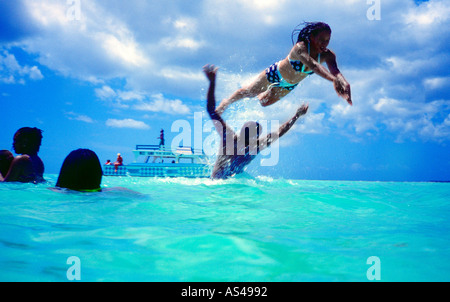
[[246, 229]]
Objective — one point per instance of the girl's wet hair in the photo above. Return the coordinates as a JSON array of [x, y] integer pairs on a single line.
[[309, 28], [80, 171]]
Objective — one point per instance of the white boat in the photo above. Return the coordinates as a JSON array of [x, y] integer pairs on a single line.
[[159, 161]]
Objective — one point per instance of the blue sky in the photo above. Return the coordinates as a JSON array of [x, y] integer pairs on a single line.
[[107, 75]]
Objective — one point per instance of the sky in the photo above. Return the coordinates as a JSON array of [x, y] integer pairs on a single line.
[[110, 74]]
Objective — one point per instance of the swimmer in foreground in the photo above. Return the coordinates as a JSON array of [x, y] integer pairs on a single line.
[[304, 59], [81, 171], [232, 160], [27, 167]]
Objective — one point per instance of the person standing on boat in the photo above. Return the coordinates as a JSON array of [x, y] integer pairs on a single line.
[[232, 160], [161, 139]]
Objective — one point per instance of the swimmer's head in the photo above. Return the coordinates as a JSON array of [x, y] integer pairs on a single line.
[[310, 29], [27, 141], [81, 171]]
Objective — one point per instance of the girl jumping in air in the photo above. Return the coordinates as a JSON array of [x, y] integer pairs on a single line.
[[304, 59]]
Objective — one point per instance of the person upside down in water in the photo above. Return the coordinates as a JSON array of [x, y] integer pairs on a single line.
[[232, 160], [304, 59]]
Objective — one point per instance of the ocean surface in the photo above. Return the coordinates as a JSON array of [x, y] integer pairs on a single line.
[[241, 229]]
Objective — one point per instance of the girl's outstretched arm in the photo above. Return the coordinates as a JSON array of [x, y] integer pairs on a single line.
[[341, 85], [332, 74]]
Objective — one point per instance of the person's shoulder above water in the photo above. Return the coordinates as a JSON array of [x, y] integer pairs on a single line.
[[27, 167], [6, 158]]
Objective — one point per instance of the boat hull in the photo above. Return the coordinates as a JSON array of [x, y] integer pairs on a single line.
[[159, 170]]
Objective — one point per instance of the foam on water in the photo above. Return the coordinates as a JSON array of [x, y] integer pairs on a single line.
[[241, 229]]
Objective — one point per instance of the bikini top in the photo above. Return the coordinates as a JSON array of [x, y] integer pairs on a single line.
[[300, 67]]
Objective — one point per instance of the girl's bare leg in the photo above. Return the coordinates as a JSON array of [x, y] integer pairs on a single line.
[[272, 95], [252, 90], [244, 92]]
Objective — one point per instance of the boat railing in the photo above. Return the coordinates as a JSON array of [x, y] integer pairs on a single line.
[[148, 147], [180, 150]]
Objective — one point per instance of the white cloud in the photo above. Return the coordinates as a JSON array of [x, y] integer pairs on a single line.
[[436, 82], [11, 72], [123, 49], [130, 95], [181, 24], [185, 24], [407, 66], [79, 117], [243, 16], [141, 102], [48, 13], [105, 92], [432, 131], [109, 94], [160, 104], [187, 43], [34, 73], [393, 107], [127, 123], [426, 22], [447, 121], [262, 5], [312, 124], [99, 45], [428, 13], [182, 74], [406, 120]]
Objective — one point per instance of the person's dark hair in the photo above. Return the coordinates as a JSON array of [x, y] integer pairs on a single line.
[[81, 171], [33, 136], [309, 28]]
